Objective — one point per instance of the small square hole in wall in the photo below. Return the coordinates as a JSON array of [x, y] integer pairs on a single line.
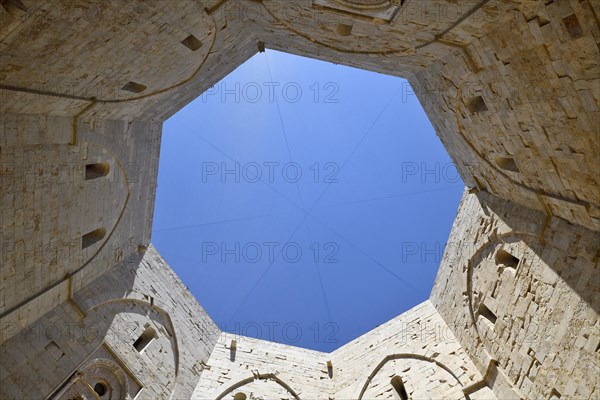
[[134, 87], [54, 350], [344, 29], [192, 43], [96, 170], [477, 105]]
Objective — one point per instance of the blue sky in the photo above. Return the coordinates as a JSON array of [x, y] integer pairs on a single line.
[[304, 202]]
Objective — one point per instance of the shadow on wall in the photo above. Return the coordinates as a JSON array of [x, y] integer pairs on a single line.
[[75, 333], [532, 287]]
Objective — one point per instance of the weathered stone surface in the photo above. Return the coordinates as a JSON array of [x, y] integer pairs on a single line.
[[512, 89]]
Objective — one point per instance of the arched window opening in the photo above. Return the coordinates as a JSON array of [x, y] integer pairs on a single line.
[[503, 257], [145, 338], [96, 170], [92, 237], [399, 388]]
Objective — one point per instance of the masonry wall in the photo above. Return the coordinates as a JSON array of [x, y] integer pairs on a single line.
[[512, 88], [501, 107], [49, 205], [254, 364], [101, 323], [520, 290], [417, 346], [502, 81], [501, 87]]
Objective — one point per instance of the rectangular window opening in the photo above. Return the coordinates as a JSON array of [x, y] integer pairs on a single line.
[[145, 339], [487, 315], [506, 259]]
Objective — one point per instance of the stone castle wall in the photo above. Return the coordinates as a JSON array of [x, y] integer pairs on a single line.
[[49, 206], [520, 291], [418, 346], [512, 89], [103, 321]]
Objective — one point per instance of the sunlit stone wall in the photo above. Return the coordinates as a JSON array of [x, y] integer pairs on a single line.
[[511, 87]]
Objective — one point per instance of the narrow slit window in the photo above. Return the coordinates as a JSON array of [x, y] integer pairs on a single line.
[[503, 257], [96, 170], [398, 386], [488, 316], [145, 338], [92, 237]]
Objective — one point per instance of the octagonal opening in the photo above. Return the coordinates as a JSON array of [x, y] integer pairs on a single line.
[[304, 202]]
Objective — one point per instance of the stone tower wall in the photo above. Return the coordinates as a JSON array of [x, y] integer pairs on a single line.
[[520, 292], [511, 87]]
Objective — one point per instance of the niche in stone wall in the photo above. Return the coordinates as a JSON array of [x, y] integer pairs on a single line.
[[192, 43], [134, 87]]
